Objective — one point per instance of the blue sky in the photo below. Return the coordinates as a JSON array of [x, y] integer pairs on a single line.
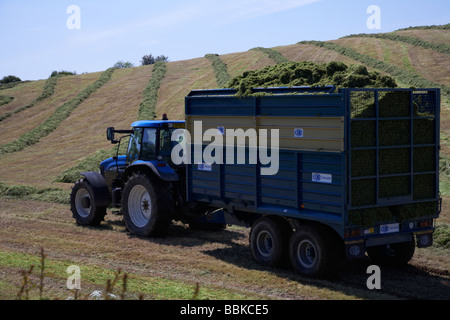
[[35, 38]]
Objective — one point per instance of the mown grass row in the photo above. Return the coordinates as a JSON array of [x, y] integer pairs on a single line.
[[32, 137], [55, 195], [147, 111], [47, 91], [399, 73], [439, 47], [147, 108], [90, 163], [5, 100], [276, 56], [220, 69]]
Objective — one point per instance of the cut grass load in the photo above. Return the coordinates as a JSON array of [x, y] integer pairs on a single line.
[[308, 73], [57, 118]]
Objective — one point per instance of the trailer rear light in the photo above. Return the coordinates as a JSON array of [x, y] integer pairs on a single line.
[[425, 223], [352, 233]]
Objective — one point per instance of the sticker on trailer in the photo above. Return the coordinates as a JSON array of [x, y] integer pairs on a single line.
[[204, 166], [322, 177], [298, 133], [389, 228]]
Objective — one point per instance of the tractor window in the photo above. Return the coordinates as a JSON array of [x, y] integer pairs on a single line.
[[149, 144], [134, 146]]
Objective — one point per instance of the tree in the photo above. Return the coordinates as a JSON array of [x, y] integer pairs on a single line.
[[150, 59], [8, 79], [123, 64]]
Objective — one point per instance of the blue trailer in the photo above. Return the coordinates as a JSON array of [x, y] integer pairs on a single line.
[[339, 174]]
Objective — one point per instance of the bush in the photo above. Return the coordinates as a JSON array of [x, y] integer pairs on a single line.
[[63, 73], [9, 79], [123, 65], [150, 59]]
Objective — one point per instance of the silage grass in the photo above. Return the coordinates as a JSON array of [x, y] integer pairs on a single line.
[[53, 122], [54, 195]]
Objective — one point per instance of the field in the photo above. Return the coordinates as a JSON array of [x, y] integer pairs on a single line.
[[35, 215]]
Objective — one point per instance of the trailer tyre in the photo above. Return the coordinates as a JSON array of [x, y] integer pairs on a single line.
[[147, 205], [269, 240], [315, 252], [83, 205]]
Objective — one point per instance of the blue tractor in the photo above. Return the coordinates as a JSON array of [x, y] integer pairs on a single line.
[[144, 183]]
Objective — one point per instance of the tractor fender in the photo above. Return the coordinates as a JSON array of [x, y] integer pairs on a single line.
[[99, 188], [160, 168]]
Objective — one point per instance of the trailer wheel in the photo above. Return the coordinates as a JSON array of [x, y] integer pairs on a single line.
[[269, 240], [396, 254], [147, 205], [315, 252], [82, 205]]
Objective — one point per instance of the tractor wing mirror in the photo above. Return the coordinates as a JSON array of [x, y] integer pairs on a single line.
[[110, 134]]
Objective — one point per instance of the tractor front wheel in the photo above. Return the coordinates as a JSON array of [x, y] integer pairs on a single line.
[[83, 205]]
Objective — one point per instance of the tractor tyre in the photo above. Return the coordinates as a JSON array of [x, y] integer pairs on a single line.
[[83, 205], [147, 205]]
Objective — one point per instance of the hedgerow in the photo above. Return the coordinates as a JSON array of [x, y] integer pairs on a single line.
[[53, 122], [220, 69]]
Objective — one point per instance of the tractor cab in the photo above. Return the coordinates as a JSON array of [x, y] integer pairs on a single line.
[[149, 148]]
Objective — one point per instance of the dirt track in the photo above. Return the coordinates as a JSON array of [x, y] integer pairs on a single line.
[[212, 259]]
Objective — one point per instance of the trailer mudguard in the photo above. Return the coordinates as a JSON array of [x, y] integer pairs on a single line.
[[160, 168], [99, 188]]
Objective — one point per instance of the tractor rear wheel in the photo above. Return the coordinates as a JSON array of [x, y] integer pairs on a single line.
[[147, 205], [83, 207]]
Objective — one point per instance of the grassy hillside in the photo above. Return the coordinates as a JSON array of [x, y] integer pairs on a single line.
[[76, 142]]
